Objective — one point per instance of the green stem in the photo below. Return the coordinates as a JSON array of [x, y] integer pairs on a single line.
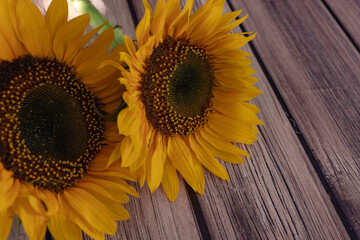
[[96, 19]]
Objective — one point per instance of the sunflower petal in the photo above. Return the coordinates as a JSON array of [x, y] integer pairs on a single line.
[[219, 148], [157, 26], [6, 219], [207, 159], [48, 198], [34, 224], [231, 129], [8, 17], [32, 28], [157, 161], [9, 191], [68, 33], [56, 16], [62, 228], [91, 209], [143, 28], [79, 219], [5, 50], [115, 155], [182, 160], [170, 181]]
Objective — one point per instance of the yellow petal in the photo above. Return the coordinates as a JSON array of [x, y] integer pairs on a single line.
[[126, 121], [63, 228], [98, 48], [143, 28], [113, 170], [157, 161], [115, 155], [50, 201], [222, 30], [97, 189], [56, 16], [232, 129], [9, 190], [180, 23], [204, 24], [91, 209], [238, 111], [5, 50], [109, 189], [170, 181], [181, 158], [172, 12], [200, 173], [233, 41], [198, 13], [130, 46], [8, 18], [116, 210], [207, 159], [219, 148], [78, 219], [6, 219], [245, 93], [32, 28], [69, 32], [157, 25], [113, 182], [83, 54], [128, 154], [34, 224], [36, 204]]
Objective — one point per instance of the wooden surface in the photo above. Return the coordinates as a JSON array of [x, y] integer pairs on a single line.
[[347, 15], [303, 179]]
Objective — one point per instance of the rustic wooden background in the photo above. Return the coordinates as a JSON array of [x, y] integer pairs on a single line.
[[303, 179]]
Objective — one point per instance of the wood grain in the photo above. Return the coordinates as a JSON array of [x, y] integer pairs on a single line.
[[316, 70], [17, 231], [276, 194], [153, 216], [348, 14]]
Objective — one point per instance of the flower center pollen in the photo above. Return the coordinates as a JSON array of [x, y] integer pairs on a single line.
[[49, 132], [177, 87]]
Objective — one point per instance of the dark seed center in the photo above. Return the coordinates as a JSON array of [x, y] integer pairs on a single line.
[[52, 124], [177, 87], [49, 131], [190, 86]]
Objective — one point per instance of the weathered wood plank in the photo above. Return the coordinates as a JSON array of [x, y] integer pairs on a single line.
[[153, 216], [348, 13], [276, 194], [17, 232], [316, 70]]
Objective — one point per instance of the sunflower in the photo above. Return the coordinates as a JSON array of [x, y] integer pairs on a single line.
[[54, 147], [188, 88]]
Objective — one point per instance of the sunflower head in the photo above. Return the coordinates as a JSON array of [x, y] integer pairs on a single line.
[[187, 95], [54, 146]]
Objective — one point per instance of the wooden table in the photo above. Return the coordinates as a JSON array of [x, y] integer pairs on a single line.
[[303, 179]]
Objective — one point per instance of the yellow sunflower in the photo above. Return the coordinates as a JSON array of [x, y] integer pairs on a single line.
[[54, 147], [187, 93]]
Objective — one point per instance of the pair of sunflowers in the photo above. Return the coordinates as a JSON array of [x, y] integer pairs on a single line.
[[179, 98]]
